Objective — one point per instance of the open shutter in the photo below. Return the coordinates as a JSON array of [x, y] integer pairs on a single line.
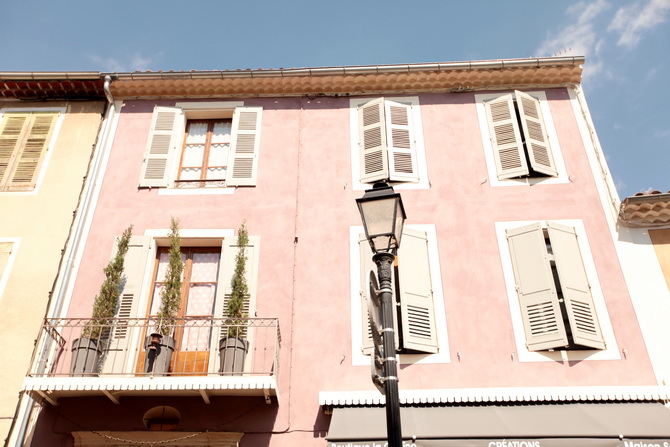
[[372, 141], [120, 354], [5, 251], [540, 309], [401, 142], [505, 138], [29, 134], [416, 293], [575, 286], [10, 139], [367, 265], [244, 148], [535, 133], [167, 127]]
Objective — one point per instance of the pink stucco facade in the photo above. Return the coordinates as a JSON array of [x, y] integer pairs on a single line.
[[302, 208]]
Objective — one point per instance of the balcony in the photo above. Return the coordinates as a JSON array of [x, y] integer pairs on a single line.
[[78, 357]]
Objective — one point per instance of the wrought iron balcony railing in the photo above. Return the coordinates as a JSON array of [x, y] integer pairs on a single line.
[[124, 347]]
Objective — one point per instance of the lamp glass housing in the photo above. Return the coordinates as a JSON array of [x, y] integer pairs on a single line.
[[383, 216]]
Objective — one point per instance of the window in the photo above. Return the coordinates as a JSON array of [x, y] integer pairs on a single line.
[[24, 141], [209, 261], [387, 142], [420, 323], [210, 153], [557, 297], [519, 137]]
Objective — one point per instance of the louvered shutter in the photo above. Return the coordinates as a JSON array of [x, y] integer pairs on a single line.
[[30, 135], [575, 286], [372, 141], [401, 142], [535, 133], [416, 293], [540, 309], [505, 137], [165, 136], [244, 148], [5, 251], [119, 356]]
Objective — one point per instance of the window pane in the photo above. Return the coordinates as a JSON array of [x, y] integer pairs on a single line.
[[193, 155], [218, 155], [190, 174], [196, 337], [163, 259], [197, 133], [221, 132], [156, 299], [200, 299], [205, 267]]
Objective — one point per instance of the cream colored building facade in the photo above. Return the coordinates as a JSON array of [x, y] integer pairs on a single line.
[[45, 147]]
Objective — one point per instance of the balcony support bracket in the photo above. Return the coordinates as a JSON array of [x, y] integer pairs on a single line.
[[111, 397], [266, 393], [205, 396], [46, 397]]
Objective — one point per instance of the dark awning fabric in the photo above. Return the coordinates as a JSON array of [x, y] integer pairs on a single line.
[[545, 425]]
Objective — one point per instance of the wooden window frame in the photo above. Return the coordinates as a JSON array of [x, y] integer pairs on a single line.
[[203, 181]]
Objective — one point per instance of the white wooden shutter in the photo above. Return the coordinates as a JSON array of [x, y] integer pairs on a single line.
[[372, 141], [244, 148], [540, 309], [505, 137], [29, 134], [400, 137], [165, 136], [416, 293], [120, 353], [5, 251], [535, 133], [575, 286]]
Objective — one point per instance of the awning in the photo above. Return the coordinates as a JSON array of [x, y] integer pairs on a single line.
[[545, 425]]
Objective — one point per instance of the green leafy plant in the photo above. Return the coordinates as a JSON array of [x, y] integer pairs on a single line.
[[239, 288], [107, 301], [171, 290]]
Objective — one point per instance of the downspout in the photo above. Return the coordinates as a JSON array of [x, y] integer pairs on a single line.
[[26, 405]]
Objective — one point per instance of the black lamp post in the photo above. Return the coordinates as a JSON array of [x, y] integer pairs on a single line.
[[383, 217]]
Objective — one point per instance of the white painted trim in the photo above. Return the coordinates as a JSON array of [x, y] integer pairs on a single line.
[[556, 153], [611, 352], [357, 356], [191, 233], [4, 275], [356, 184], [510, 394], [62, 111], [209, 105]]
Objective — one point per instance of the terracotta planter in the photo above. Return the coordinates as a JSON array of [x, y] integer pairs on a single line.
[[158, 355], [232, 353], [86, 354]]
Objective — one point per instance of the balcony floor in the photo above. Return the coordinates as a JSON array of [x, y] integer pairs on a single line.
[[53, 388]]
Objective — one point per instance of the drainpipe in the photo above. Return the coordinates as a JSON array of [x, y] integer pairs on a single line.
[[26, 405]]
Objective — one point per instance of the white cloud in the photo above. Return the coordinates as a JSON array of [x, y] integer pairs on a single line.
[[581, 37], [634, 20], [136, 63]]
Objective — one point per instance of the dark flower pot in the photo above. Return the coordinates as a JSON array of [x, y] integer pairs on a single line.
[[232, 353], [158, 355], [86, 354]]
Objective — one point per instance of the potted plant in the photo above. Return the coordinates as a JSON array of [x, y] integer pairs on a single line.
[[87, 349], [160, 344], [233, 347]]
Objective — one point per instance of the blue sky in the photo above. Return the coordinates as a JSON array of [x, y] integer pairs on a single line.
[[626, 44]]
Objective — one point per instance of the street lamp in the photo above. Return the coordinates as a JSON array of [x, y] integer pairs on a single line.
[[383, 217]]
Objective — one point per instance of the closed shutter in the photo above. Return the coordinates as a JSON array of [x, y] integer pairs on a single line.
[[245, 145], [165, 136], [505, 138], [401, 138], [119, 357], [5, 251], [535, 133], [24, 140], [372, 141], [575, 286], [416, 293], [367, 265], [540, 309]]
